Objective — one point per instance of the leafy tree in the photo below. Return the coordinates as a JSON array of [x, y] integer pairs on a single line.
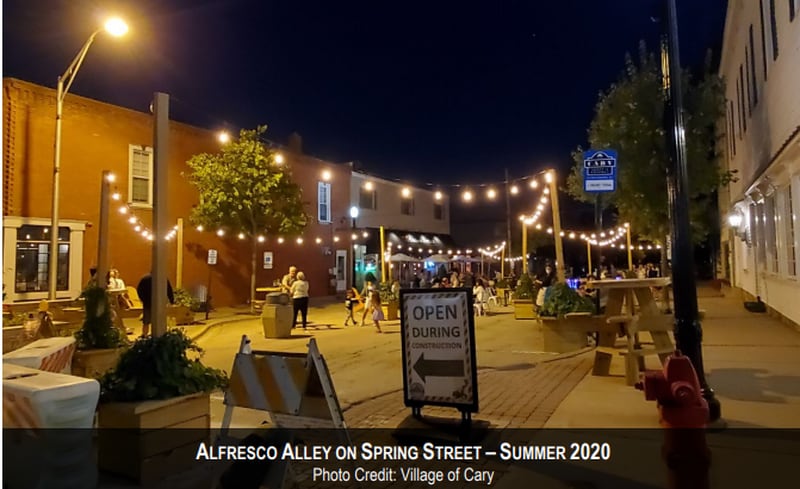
[[629, 117], [243, 188]]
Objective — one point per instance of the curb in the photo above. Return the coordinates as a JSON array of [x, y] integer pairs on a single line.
[[208, 327]]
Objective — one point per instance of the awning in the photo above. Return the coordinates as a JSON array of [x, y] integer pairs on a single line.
[[412, 243]]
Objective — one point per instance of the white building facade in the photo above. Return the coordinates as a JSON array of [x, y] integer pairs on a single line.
[[761, 211]]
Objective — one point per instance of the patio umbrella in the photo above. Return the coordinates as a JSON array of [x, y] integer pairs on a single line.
[[438, 258], [402, 257], [466, 259]]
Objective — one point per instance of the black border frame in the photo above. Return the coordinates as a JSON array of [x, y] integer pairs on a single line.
[[472, 407]]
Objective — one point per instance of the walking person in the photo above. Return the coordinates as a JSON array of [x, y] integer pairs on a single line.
[[377, 310], [367, 294], [349, 304], [299, 293], [145, 291]]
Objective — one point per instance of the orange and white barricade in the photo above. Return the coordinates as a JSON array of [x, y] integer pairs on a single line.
[[49, 354], [47, 421]]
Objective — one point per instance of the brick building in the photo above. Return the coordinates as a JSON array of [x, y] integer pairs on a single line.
[[761, 211], [97, 136]]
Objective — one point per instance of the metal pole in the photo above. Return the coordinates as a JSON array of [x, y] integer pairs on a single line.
[[688, 330], [160, 224], [102, 231], [557, 226], [179, 265], [52, 275], [503, 262]]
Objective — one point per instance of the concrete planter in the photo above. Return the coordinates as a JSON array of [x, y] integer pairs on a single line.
[[523, 309], [568, 333], [390, 311], [150, 440], [92, 364], [276, 320]]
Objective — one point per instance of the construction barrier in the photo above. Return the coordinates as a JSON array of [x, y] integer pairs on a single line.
[[49, 354], [296, 390]]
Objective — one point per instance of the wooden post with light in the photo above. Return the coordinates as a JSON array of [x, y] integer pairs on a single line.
[[630, 252], [524, 246], [551, 180], [383, 257], [179, 264], [589, 256]]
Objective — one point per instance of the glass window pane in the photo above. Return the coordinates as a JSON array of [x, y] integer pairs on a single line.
[[140, 190]]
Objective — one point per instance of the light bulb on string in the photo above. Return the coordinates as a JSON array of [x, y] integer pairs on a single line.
[[514, 190], [467, 196], [546, 191], [132, 220], [123, 210], [280, 240], [220, 232], [534, 183], [200, 228]]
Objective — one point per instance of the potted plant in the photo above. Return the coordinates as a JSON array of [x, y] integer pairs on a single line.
[[99, 343], [523, 298], [389, 302], [184, 308], [566, 318], [154, 389]]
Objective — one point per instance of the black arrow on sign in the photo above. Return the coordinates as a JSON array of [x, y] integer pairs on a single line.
[[438, 368]]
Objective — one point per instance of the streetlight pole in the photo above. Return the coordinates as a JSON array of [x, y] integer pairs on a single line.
[[688, 330], [353, 217], [115, 27]]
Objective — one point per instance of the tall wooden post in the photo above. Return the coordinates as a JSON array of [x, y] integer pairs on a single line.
[[524, 247], [589, 256], [551, 179], [383, 257], [102, 232], [179, 260], [160, 198], [503, 261], [628, 239]]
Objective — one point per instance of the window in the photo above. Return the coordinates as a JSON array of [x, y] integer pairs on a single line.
[[747, 82], [753, 66], [742, 99], [740, 106], [760, 237], [773, 24], [732, 127], [33, 255], [763, 37], [787, 213], [324, 202], [438, 212], [367, 199], [407, 207], [792, 9], [769, 231], [140, 173]]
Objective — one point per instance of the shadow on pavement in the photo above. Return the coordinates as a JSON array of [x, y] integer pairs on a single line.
[[747, 384]]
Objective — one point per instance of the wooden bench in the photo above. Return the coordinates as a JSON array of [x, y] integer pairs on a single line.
[[634, 350]]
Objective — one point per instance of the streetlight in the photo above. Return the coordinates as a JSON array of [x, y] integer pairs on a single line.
[[354, 216], [116, 27]]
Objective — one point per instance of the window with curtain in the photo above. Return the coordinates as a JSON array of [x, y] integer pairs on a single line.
[[324, 202]]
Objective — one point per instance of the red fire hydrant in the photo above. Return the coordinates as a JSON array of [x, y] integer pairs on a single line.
[[683, 413]]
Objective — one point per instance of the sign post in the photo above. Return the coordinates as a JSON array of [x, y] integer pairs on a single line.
[[439, 366], [212, 260]]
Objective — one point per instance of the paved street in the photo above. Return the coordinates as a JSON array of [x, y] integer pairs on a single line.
[[366, 365]]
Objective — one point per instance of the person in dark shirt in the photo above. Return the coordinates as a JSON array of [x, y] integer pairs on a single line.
[[145, 291]]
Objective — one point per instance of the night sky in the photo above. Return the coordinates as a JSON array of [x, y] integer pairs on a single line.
[[424, 91]]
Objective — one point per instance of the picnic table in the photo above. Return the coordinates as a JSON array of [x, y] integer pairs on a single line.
[[632, 306]]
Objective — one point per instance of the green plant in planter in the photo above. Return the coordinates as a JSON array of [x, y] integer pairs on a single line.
[[98, 330], [385, 290], [525, 288], [562, 300], [160, 368], [184, 298]]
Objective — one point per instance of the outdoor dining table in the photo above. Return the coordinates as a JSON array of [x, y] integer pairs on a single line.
[[631, 304]]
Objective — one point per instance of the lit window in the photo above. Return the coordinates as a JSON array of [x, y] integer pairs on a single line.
[[33, 259], [140, 176], [324, 202]]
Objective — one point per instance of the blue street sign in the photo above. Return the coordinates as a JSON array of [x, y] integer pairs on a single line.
[[600, 170]]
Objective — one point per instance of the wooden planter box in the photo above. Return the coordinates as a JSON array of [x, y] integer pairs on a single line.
[[568, 333], [151, 440], [92, 364], [182, 314], [390, 311], [523, 309]]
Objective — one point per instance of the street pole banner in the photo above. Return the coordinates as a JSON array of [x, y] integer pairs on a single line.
[[600, 170], [438, 329]]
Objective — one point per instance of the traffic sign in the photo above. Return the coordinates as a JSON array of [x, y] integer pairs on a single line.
[[600, 170], [212, 257], [439, 367]]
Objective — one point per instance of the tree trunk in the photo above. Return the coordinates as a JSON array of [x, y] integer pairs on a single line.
[[253, 250]]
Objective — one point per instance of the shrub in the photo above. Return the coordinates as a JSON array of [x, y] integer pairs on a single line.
[[98, 330], [562, 300], [525, 288]]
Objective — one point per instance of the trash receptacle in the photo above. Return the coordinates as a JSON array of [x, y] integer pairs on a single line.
[[277, 320], [280, 298]]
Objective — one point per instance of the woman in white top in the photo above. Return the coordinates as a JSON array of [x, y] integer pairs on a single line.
[[367, 294], [299, 291], [114, 282], [479, 296]]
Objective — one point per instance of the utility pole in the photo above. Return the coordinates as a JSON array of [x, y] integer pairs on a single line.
[[160, 198], [688, 330], [508, 213]]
